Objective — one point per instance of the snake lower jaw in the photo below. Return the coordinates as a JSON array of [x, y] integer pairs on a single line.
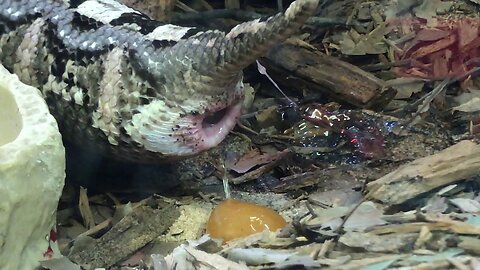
[[213, 127]]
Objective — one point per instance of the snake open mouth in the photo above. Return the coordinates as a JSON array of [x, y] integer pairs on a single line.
[[216, 125], [214, 118]]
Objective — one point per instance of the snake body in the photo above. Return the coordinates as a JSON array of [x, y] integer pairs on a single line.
[[137, 88]]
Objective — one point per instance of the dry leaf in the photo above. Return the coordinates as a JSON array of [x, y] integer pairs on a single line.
[[371, 43], [365, 216], [277, 258], [430, 8]]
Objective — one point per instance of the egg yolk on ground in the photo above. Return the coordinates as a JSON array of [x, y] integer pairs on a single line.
[[234, 219]]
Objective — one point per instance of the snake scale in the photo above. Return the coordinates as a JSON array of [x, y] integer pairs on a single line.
[[142, 90]]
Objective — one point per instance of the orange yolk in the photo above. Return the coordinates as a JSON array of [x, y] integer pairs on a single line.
[[233, 219]]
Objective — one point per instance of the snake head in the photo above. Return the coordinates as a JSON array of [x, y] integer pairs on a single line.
[[198, 82], [190, 112]]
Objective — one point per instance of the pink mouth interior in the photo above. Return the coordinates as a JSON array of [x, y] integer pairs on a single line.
[[216, 126]]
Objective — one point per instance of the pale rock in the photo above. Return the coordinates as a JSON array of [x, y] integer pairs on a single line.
[[32, 174]]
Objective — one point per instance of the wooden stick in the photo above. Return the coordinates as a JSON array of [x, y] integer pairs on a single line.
[[131, 233], [458, 162]]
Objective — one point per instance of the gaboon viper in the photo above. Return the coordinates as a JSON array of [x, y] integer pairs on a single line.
[[137, 88]]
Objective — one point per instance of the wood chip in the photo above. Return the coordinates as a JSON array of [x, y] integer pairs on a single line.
[[458, 162], [134, 231], [85, 211]]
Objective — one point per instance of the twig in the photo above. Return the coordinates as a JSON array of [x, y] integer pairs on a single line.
[[427, 99], [348, 215]]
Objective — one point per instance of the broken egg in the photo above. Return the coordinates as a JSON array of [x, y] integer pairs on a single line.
[[234, 219]]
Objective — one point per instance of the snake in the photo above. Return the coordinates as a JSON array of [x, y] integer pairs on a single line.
[[139, 89]]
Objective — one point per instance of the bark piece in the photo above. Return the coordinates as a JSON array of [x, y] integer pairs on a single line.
[[460, 161], [131, 233], [316, 71]]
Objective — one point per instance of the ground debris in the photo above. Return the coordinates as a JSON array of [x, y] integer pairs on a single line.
[[327, 75], [127, 236], [387, 243], [453, 164]]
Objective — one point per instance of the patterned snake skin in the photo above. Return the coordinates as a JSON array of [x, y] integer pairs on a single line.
[[139, 89]]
